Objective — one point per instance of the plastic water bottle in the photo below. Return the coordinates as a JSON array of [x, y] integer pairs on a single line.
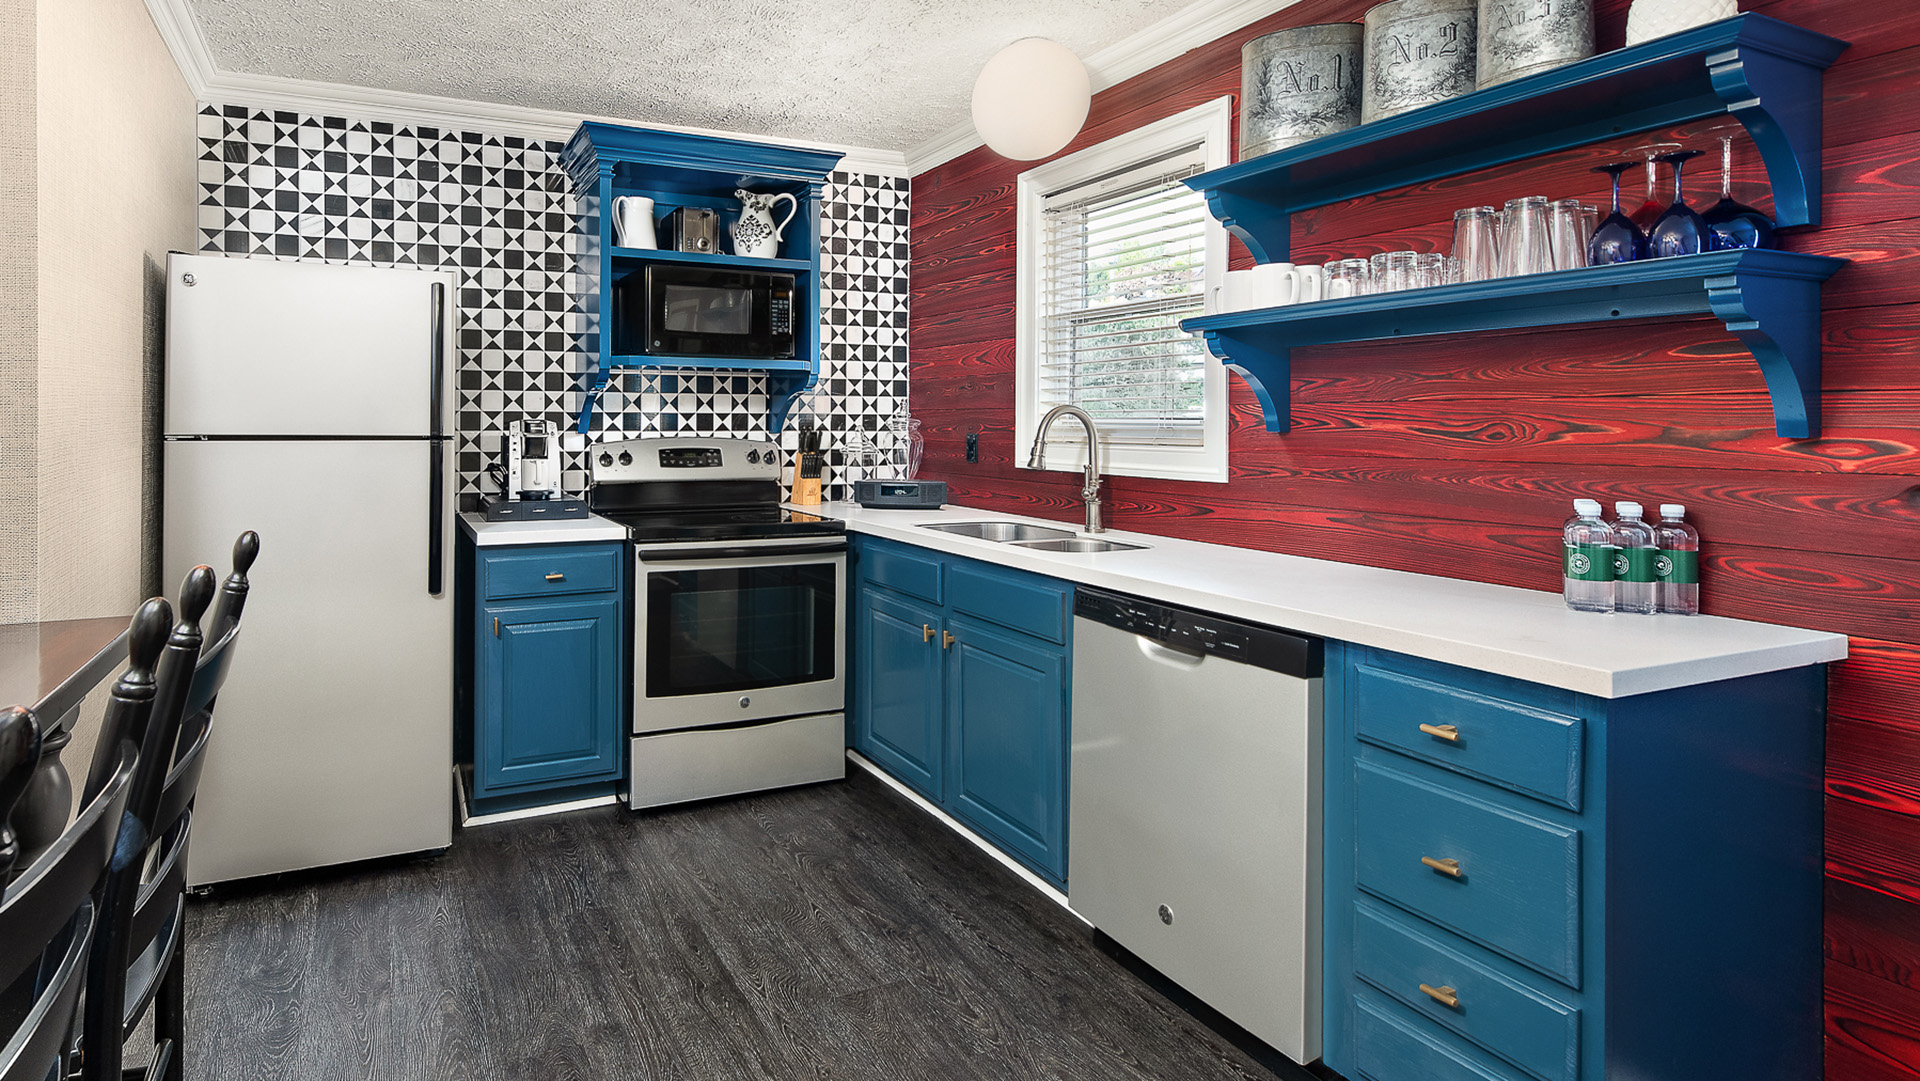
[[1633, 561], [1587, 565], [1677, 562]]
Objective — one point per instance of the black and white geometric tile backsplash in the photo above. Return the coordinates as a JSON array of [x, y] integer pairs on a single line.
[[497, 210]]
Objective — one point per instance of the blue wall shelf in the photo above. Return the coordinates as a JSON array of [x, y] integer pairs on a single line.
[[1763, 72], [605, 161], [1769, 300]]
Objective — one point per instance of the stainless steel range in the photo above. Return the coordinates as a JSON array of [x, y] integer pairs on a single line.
[[739, 620]]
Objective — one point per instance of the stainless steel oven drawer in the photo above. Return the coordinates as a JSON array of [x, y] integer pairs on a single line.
[[703, 763]]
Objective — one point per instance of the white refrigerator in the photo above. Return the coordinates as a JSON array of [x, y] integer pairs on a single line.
[[310, 403]]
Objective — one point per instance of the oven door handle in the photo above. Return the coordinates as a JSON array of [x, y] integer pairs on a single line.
[[709, 553]]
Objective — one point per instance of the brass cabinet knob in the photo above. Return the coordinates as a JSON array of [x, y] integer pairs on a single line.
[[947, 640], [926, 633], [556, 577], [1445, 996], [1445, 731], [1447, 866]]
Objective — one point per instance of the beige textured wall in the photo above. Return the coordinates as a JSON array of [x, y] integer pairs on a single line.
[[19, 322], [116, 191]]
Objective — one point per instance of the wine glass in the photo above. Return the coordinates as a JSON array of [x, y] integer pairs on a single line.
[[1680, 231], [1650, 210], [1734, 224], [1617, 239]]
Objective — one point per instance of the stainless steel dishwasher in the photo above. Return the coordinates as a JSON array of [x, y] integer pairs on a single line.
[[1194, 827]]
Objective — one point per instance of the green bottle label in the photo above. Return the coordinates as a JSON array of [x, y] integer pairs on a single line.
[[1634, 564], [1588, 562], [1677, 567]]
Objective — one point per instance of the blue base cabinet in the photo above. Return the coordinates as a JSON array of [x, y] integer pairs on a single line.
[[546, 663], [961, 688], [1524, 882]]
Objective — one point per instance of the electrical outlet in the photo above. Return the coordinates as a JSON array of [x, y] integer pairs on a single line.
[[973, 446]]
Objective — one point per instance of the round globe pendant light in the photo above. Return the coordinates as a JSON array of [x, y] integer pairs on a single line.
[[1031, 99]]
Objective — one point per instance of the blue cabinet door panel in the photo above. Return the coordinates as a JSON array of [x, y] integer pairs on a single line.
[[551, 698], [917, 574], [1024, 602], [899, 722], [1395, 1047], [1006, 709], [1518, 886]]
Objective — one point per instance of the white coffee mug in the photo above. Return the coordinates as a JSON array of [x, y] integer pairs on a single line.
[[1235, 293], [1274, 285], [1309, 282], [633, 222]]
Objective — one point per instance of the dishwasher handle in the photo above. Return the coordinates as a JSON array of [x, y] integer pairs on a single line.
[[1186, 630]]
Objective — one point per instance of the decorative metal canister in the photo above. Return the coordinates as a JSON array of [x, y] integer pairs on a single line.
[[1522, 37], [1297, 85], [1418, 52]]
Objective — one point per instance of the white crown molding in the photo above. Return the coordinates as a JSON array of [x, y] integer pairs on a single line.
[[1184, 30], [209, 84]]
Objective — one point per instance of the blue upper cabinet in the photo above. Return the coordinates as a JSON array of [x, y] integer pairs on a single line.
[[676, 169]]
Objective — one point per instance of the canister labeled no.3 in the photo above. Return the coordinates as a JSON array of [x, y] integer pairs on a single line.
[[1518, 38], [1298, 84], [1418, 52]]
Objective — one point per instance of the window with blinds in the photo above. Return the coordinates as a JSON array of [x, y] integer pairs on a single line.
[[1125, 261]]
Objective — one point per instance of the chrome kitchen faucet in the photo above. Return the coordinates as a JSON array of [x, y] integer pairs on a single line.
[[1090, 491]]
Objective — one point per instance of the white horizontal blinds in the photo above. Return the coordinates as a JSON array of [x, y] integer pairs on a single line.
[[1125, 261]]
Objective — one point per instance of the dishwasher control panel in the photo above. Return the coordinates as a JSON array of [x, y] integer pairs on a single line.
[[1203, 633]]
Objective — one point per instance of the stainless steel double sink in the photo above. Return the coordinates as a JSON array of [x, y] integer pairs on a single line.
[[1037, 537]]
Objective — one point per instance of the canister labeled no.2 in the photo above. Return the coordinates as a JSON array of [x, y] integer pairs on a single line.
[[1518, 38], [1297, 85], [1417, 52]]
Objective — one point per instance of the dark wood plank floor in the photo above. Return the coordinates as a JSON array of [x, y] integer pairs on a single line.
[[824, 932]]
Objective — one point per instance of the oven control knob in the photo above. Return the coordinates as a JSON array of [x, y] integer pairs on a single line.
[[605, 458], [626, 458], [745, 701], [753, 457]]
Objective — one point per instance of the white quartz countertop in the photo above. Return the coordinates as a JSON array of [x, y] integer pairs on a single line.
[[1522, 633], [554, 531]]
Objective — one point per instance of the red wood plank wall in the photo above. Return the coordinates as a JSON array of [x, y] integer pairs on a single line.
[[1460, 456]]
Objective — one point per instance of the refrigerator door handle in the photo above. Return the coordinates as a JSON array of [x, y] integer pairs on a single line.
[[436, 394], [436, 498]]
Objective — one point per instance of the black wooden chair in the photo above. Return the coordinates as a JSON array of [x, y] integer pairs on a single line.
[[145, 912], [49, 916]]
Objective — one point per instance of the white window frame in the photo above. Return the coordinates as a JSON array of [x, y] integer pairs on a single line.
[[1206, 125]]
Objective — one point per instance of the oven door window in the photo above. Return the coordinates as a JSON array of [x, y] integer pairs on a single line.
[[721, 629]]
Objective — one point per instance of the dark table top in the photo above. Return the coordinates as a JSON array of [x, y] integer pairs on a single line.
[[52, 665]]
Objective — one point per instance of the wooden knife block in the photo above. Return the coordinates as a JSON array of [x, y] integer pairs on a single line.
[[806, 480]]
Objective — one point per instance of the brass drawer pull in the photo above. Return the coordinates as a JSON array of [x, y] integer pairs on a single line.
[[947, 640], [926, 633], [1445, 731], [1447, 866], [562, 578], [496, 626], [1445, 996]]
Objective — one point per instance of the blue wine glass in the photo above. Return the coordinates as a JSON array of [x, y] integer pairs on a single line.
[[1735, 224], [1617, 240], [1680, 231]]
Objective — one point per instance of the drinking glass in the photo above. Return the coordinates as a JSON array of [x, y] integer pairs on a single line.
[[1650, 210], [1394, 271], [1475, 244], [1568, 232], [1616, 240], [1526, 249], [1430, 270], [1680, 231], [1349, 278], [1734, 224]]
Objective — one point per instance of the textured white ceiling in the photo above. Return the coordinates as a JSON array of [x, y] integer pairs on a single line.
[[885, 74]]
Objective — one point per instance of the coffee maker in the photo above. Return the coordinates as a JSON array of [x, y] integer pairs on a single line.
[[529, 476]]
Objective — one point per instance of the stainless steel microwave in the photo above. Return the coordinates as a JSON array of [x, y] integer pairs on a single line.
[[671, 309]]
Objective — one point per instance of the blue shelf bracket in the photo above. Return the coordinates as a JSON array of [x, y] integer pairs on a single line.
[[1265, 229], [784, 390], [585, 424], [1778, 320], [1267, 370], [1773, 87]]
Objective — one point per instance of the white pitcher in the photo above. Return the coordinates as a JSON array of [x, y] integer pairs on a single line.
[[633, 222], [755, 235]]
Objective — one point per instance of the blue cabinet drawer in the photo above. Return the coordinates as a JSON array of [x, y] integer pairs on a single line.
[[546, 572], [1521, 1023], [1533, 750], [1507, 880], [1034, 605], [1395, 1047], [902, 571]]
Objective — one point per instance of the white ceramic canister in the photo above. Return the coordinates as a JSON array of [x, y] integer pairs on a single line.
[[1518, 38], [1649, 19], [1417, 52], [1297, 85]]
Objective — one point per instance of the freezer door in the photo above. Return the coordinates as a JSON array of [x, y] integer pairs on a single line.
[[260, 347], [333, 740]]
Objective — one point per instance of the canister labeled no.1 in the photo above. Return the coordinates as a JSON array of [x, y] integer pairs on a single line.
[[1518, 38], [1297, 85], [1417, 52]]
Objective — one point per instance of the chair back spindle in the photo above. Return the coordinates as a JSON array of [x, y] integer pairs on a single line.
[[19, 755]]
